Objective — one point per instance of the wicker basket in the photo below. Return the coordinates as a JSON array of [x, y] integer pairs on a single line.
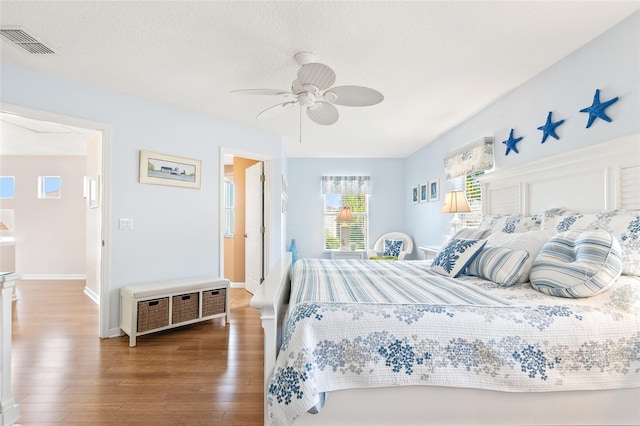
[[185, 308], [213, 302], [153, 314]]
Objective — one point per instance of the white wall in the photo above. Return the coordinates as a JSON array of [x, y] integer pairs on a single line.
[[305, 211], [176, 230], [610, 63]]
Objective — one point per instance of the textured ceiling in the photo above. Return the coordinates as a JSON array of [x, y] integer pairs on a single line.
[[437, 63]]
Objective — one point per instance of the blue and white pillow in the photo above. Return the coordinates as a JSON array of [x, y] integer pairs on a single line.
[[510, 223], [578, 263], [623, 224], [471, 234], [392, 248], [498, 264], [455, 256]]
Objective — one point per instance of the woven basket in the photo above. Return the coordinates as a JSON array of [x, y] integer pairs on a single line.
[[153, 314], [213, 302], [185, 308]]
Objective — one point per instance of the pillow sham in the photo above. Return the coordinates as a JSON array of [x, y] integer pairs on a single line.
[[455, 256], [498, 264], [531, 242], [510, 223], [392, 247], [471, 234], [623, 224], [580, 263]]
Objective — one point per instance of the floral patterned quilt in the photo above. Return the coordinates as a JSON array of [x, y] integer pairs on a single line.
[[511, 339]]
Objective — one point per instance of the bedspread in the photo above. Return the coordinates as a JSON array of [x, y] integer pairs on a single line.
[[477, 335]]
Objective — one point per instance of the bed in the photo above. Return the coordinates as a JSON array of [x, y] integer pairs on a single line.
[[460, 350]]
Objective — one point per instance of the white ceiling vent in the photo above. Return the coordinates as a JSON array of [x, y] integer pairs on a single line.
[[21, 38]]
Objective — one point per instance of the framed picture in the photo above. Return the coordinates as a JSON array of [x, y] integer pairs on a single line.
[[434, 190], [163, 169], [415, 196], [424, 194], [94, 192]]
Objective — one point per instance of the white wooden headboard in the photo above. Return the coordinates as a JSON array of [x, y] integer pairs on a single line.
[[600, 177]]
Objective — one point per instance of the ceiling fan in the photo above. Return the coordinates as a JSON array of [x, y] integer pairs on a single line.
[[313, 92]]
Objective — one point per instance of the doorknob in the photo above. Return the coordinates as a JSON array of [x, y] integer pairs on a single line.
[[245, 235]]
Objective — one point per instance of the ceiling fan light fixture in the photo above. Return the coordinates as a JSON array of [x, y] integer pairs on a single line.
[[330, 96]]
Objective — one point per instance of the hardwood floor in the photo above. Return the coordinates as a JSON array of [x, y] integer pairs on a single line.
[[202, 374]]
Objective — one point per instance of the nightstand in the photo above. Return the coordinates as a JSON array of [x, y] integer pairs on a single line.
[[430, 252], [347, 254]]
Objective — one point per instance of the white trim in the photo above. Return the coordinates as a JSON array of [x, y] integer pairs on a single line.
[[52, 277], [92, 295], [236, 285]]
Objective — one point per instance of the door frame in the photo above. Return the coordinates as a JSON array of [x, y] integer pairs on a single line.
[[266, 209], [105, 199]]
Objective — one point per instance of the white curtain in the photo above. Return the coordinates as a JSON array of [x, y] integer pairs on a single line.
[[475, 157], [346, 185]]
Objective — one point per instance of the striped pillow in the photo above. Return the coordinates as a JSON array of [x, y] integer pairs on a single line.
[[498, 264], [578, 263]]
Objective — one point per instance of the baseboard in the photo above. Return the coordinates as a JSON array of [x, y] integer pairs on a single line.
[[92, 295], [47, 277], [236, 285], [115, 332]]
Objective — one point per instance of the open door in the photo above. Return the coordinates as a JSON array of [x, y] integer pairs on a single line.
[[254, 226]]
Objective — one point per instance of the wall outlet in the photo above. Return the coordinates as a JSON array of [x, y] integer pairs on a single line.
[[126, 223]]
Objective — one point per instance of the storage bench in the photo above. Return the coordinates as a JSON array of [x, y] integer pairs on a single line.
[[147, 308]]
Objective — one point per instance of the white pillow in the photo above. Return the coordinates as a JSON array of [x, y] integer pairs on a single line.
[[531, 242], [576, 264], [498, 264], [455, 256]]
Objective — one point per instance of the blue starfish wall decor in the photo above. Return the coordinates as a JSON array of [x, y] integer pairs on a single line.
[[549, 128], [596, 110], [511, 143]]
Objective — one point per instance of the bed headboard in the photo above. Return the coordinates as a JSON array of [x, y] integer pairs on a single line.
[[605, 176]]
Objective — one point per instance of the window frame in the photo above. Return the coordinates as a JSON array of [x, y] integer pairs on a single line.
[[329, 216]]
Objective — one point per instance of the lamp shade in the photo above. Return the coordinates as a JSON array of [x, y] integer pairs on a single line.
[[455, 202], [345, 215]]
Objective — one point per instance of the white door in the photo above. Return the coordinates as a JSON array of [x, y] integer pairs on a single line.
[[254, 230]]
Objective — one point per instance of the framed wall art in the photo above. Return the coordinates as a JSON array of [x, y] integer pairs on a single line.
[[415, 195], [434, 190], [164, 169], [424, 192]]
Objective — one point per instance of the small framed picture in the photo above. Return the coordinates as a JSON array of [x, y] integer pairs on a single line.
[[434, 190], [415, 196], [164, 169], [424, 192]]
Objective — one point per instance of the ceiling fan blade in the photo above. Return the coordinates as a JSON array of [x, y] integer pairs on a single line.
[[323, 113], [270, 92], [275, 110], [318, 75], [356, 96]]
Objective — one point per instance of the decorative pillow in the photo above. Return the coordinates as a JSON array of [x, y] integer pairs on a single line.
[[623, 224], [392, 247], [455, 256], [510, 223], [498, 264], [531, 242], [578, 263], [471, 234], [551, 217]]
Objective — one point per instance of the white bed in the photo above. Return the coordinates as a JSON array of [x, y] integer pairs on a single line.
[[597, 178]]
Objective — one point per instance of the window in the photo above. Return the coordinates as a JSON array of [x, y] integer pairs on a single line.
[[473, 191], [228, 208], [49, 186], [358, 229], [7, 186]]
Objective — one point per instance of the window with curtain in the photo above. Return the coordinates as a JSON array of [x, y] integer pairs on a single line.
[[346, 191], [463, 168]]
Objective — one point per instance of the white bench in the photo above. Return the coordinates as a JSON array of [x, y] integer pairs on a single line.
[[147, 308]]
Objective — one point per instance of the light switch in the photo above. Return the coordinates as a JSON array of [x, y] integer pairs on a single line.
[[126, 223]]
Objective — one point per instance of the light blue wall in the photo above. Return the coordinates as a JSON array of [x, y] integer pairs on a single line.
[[176, 230], [305, 217], [610, 63]]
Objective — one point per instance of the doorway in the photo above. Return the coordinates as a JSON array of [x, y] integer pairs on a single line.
[[41, 134], [244, 252]]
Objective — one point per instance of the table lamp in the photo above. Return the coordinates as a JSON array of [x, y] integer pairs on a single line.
[[455, 202], [345, 217]]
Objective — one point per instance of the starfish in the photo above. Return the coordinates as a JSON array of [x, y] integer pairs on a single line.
[[549, 128], [511, 143], [596, 110]]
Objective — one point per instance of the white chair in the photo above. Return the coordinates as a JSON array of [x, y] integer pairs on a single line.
[[378, 248]]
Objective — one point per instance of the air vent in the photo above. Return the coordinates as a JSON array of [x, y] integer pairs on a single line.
[[26, 41]]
